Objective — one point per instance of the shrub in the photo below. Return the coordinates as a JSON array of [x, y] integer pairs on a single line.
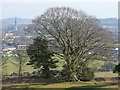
[[26, 73], [86, 75], [13, 74], [35, 73], [100, 79], [55, 73], [117, 69]]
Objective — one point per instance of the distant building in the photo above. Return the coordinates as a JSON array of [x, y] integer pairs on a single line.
[[9, 34], [9, 49], [29, 36], [22, 47]]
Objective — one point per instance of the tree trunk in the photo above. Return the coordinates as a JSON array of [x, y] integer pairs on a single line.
[[20, 69]]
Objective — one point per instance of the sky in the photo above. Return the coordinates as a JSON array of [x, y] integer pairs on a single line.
[[33, 8]]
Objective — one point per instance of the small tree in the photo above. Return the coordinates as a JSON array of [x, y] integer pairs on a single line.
[[21, 59], [40, 56], [117, 69]]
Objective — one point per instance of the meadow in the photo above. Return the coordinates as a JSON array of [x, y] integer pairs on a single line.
[[31, 82], [12, 65]]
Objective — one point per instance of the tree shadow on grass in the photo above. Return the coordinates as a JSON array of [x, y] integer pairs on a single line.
[[21, 86], [27, 85]]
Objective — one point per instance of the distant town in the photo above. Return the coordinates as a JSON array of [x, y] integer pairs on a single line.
[[15, 38]]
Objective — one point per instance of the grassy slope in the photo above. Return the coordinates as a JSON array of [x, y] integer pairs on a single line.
[[10, 67], [93, 64], [106, 74], [28, 68]]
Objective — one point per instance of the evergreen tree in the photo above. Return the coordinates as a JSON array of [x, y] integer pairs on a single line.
[[40, 56]]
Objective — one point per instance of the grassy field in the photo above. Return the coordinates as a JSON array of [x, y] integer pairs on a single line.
[[96, 64], [53, 84], [12, 66], [39, 83], [106, 74]]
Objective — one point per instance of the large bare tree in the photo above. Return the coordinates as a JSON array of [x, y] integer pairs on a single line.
[[77, 35]]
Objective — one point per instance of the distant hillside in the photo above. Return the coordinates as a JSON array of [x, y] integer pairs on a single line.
[[105, 22], [19, 20], [110, 23]]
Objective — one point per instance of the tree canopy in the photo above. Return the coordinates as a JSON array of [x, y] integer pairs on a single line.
[[77, 35]]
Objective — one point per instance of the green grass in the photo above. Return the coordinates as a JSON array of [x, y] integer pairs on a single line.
[[96, 64], [76, 84], [112, 86], [52, 85], [65, 85], [106, 74], [10, 68]]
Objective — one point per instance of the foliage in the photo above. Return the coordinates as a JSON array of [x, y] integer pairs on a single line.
[[117, 69], [14, 74], [26, 73], [35, 73], [86, 75], [40, 56]]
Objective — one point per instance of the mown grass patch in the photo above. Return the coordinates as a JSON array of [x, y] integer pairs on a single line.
[[106, 74], [76, 84]]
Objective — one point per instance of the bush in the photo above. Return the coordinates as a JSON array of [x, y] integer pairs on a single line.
[[117, 69], [83, 73], [35, 73], [13, 74], [65, 75], [26, 73], [86, 75], [55, 73], [100, 79]]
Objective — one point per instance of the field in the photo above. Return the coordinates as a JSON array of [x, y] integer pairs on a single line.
[[106, 74], [11, 65], [33, 82], [48, 83]]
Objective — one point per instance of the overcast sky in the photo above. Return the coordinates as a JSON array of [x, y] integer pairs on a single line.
[[33, 9]]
